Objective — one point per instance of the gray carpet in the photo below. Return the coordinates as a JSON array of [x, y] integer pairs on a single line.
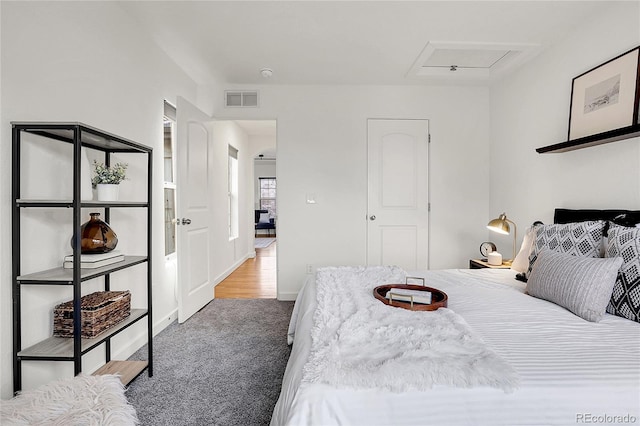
[[223, 366]]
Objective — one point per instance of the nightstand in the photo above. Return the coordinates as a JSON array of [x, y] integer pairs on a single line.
[[480, 263]]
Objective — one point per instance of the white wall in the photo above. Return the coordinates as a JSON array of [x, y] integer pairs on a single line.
[[322, 149], [530, 109], [229, 254], [87, 62]]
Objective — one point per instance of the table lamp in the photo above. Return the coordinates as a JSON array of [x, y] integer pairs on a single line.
[[501, 226]]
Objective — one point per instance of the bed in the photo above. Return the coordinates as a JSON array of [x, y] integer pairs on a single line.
[[548, 365]]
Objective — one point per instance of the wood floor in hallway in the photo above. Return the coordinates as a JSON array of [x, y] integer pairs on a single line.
[[254, 279]]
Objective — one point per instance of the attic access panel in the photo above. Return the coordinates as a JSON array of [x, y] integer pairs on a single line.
[[465, 58], [481, 61]]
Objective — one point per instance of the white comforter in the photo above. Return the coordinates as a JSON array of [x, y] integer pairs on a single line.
[[571, 371]]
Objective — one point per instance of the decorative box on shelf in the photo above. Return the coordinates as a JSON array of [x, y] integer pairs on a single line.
[[99, 311]]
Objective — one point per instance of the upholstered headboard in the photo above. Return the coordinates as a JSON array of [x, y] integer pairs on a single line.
[[621, 217]]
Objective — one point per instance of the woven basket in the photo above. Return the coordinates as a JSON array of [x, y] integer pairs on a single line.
[[99, 311]]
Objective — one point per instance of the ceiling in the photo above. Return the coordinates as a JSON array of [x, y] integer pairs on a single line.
[[355, 42]]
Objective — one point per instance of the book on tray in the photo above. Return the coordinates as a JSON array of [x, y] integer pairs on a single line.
[[90, 261], [405, 295]]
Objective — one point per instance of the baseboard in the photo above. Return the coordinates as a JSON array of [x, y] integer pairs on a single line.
[[287, 297], [228, 272], [164, 323]]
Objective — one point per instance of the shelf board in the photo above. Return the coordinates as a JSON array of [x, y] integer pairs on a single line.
[[61, 348], [84, 203], [592, 140], [64, 276], [89, 136], [127, 370]]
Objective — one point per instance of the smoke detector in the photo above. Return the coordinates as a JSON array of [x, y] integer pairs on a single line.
[[266, 72]]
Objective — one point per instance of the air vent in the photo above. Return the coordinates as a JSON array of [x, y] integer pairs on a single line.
[[241, 98]]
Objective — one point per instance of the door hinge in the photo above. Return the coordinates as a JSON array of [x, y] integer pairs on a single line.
[[429, 138], [428, 207]]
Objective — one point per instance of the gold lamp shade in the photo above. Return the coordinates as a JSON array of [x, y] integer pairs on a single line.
[[501, 226]]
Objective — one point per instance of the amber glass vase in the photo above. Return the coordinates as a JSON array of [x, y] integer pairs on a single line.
[[96, 236]]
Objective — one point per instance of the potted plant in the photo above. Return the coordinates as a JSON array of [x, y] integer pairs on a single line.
[[107, 179]]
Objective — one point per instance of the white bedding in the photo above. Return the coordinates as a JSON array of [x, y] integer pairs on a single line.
[[359, 343], [571, 371]]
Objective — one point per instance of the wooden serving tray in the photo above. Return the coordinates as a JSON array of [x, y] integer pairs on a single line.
[[438, 298]]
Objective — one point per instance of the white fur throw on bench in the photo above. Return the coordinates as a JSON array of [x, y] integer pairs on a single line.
[[81, 400]]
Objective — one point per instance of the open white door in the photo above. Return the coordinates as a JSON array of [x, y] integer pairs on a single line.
[[193, 164], [398, 201]]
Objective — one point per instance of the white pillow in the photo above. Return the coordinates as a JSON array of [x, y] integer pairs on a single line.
[[521, 261], [583, 285], [264, 218]]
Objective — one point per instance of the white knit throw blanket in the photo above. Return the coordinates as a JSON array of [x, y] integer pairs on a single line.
[[359, 342]]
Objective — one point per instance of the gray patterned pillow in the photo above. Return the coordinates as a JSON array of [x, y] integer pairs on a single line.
[[625, 243], [583, 285], [583, 239]]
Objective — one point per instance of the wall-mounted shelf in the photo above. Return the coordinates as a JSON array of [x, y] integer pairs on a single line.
[[593, 140]]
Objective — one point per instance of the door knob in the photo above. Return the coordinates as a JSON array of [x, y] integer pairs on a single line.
[[372, 217], [186, 221]]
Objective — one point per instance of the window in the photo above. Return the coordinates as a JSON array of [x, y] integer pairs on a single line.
[[233, 192], [268, 195], [169, 124]]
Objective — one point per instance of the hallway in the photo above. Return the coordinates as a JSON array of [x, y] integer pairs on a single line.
[[254, 279]]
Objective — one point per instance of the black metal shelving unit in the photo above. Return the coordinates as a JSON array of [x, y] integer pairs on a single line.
[[67, 349]]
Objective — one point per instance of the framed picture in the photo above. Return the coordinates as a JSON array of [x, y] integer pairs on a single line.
[[606, 97]]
